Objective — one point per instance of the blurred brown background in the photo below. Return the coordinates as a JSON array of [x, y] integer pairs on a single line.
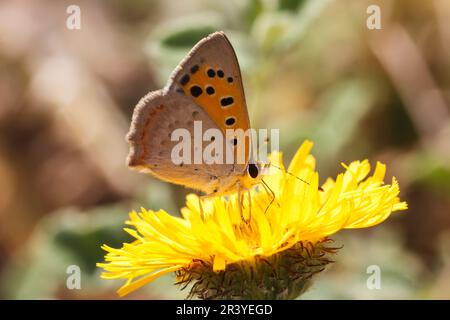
[[311, 68]]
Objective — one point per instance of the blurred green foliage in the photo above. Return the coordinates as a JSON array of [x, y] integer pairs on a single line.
[[310, 68], [186, 38]]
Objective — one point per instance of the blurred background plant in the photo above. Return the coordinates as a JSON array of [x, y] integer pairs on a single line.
[[310, 67]]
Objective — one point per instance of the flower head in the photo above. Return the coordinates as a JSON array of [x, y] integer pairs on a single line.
[[288, 216]]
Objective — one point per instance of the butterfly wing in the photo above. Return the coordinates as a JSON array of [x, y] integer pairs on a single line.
[[155, 118], [211, 76]]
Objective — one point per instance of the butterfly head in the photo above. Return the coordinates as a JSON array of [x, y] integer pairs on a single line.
[[251, 176]]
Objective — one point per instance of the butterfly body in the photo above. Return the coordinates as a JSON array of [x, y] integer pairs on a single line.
[[206, 88]]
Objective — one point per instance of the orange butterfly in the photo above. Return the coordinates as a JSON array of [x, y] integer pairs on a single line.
[[206, 87]]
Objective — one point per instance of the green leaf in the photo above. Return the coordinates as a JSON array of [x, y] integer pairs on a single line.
[[186, 38], [85, 244], [252, 11], [290, 5]]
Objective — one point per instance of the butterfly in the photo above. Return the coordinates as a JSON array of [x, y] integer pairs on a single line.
[[205, 87]]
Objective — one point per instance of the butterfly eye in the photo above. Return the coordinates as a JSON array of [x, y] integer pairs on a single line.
[[252, 170]]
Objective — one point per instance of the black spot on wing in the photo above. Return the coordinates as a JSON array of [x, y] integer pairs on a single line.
[[194, 69], [184, 79], [230, 121], [210, 90], [196, 91], [226, 101]]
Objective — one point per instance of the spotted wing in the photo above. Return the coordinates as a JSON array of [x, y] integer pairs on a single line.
[[155, 119], [210, 76]]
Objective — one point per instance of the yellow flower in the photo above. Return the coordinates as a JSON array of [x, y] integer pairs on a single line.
[[290, 211]]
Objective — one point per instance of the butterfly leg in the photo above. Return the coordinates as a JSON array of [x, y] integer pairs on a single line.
[[268, 190], [240, 201], [249, 205], [241, 204], [202, 215]]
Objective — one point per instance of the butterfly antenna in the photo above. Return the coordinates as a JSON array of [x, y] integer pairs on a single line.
[[291, 174]]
